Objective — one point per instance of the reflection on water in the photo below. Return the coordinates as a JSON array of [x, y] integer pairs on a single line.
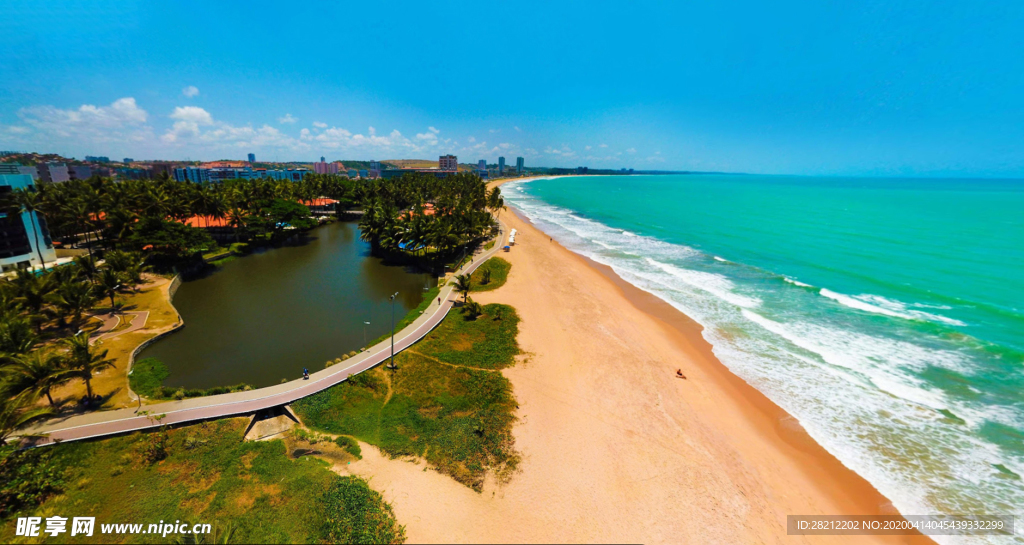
[[264, 317]]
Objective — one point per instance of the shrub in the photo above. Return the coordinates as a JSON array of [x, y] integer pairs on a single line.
[[154, 447], [352, 354], [350, 446], [179, 394], [355, 513], [27, 478]]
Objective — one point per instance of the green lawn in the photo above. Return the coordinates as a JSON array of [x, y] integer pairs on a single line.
[[499, 269], [200, 474], [446, 402]]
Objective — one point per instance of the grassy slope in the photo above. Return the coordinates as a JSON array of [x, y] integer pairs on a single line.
[[499, 274], [211, 476], [445, 402]]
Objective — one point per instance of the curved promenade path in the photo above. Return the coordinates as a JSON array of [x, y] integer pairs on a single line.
[[101, 423]]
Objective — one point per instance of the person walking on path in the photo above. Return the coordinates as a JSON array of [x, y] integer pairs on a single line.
[[438, 301], [305, 374]]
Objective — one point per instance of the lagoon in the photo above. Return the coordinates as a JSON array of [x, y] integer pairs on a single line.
[[263, 317]]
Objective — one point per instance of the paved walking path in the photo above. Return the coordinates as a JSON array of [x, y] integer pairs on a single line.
[[101, 423], [110, 321]]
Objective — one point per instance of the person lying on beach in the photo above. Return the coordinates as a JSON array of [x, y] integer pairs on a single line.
[[679, 374]]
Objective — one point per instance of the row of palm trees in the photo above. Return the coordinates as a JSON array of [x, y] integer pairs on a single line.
[[102, 212], [419, 211], [42, 345]]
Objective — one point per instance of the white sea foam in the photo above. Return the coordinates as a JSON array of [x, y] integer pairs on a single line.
[[721, 259], [880, 305], [797, 282], [859, 392], [715, 284]]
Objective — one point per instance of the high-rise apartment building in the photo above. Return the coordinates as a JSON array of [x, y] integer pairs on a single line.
[[53, 172], [19, 233], [448, 162], [252, 158], [501, 165], [481, 164], [323, 167], [520, 165]]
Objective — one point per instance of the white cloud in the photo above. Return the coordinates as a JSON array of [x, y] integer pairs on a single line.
[[564, 151], [122, 120], [602, 145], [494, 131], [586, 147], [287, 119], [504, 145], [320, 124], [433, 130], [190, 91], [337, 138], [194, 125], [631, 150], [517, 129], [471, 139], [428, 137], [192, 114]]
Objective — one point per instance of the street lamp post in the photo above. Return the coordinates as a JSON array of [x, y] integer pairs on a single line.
[[392, 366]]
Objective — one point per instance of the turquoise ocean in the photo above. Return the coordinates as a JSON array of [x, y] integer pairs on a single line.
[[887, 315]]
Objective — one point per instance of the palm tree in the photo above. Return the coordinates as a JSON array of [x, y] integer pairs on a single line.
[[16, 335], [84, 361], [15, 413], [87, 264], [463, 285], [32, 294], [72, 299], [109, 282], [29, 202], [38, 373]]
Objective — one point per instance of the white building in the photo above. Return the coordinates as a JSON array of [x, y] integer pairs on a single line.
[[18, 235]]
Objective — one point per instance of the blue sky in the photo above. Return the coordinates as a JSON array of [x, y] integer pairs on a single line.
[[818, 87]]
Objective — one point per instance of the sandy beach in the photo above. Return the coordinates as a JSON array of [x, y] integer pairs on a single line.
[[615, 447]]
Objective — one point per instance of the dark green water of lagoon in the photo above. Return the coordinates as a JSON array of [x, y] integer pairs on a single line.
[[263, 317]]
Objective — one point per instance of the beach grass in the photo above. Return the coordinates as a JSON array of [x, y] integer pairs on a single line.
[[202, 473], [446, 402], [499, 269]]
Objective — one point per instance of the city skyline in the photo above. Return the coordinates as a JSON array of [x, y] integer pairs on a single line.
[[879, 89]]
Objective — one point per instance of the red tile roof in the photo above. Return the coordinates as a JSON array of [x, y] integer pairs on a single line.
[[206, 221], [322, 201]]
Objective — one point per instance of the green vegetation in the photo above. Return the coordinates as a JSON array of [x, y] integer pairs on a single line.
[[148, 374], [491, 275], [445, 402], [200, 473], [350, 446], [418, 212], [39, 313]]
